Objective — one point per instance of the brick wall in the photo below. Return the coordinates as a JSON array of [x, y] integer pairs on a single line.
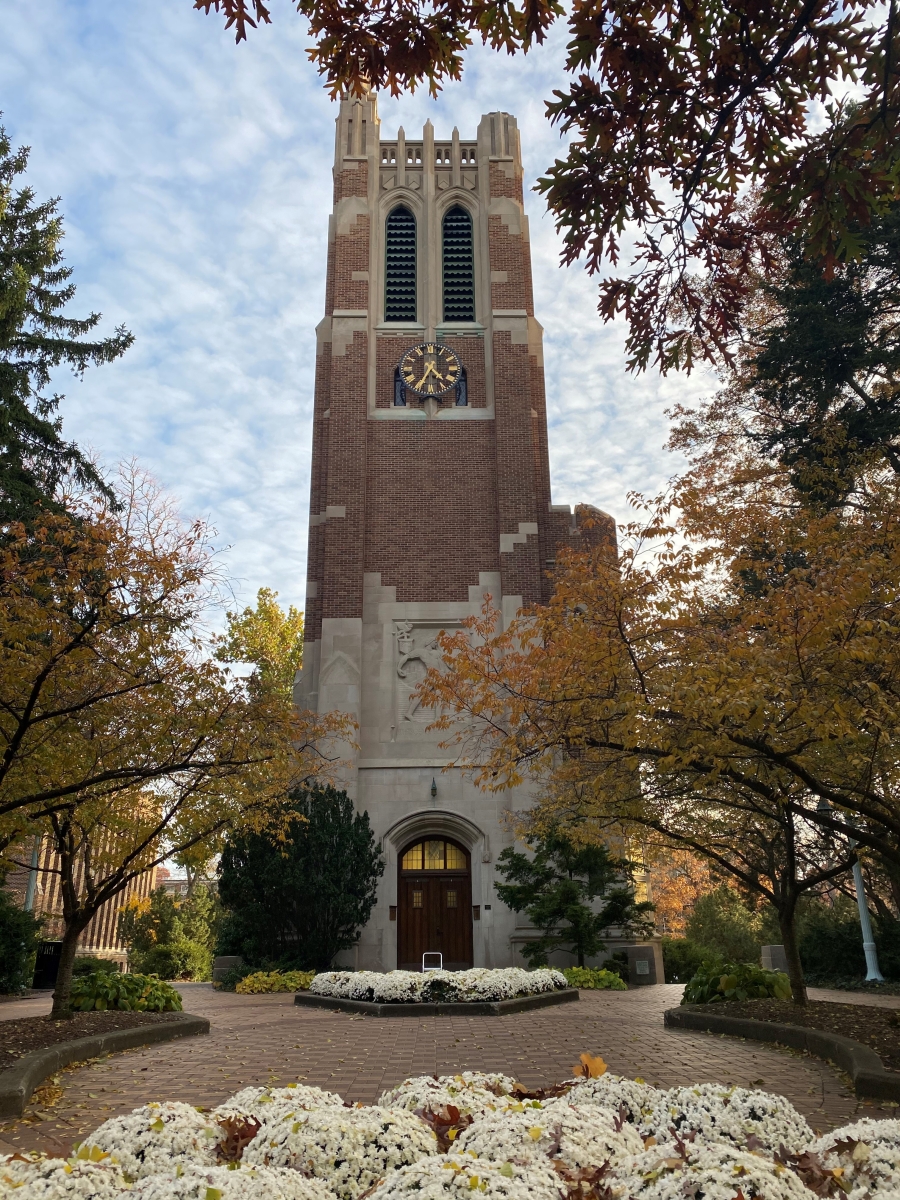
[[431, 517]]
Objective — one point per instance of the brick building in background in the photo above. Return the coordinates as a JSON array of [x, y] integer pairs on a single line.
[[37, 888], [421, 505]]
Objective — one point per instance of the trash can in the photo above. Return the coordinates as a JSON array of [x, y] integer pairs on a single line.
[[46, 966]]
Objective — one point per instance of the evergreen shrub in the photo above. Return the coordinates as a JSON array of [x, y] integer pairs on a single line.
[[87, 964], [682, 958], [19, 937]]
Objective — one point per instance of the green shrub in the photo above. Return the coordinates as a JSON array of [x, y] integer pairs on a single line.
[[722, 924], [595, 977], [171, 937], [181, 959], [682, 959], [274, 981], [618, 964], [718, 981], [132, 993], [19, 937], [87, 964], [233, 976]]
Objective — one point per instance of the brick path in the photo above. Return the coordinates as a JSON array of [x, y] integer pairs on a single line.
[[266, 1039]]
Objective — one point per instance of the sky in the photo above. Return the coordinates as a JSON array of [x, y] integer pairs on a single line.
[[195, 182]]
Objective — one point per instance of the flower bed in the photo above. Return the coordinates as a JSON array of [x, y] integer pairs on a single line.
[[430, 987], [599, 1138]]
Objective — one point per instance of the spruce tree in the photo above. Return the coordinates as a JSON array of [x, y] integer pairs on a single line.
[[37, 337], [571, 894]]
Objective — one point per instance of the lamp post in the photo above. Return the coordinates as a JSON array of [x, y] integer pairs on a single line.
[[873, 975]]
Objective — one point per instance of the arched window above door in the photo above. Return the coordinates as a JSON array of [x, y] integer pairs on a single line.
[[459, 265], [434, 854], [400, 265]]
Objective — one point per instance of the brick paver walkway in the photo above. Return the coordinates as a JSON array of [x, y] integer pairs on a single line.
[[266, 1039]]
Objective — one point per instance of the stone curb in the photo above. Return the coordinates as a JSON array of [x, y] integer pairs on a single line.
[[473, 1008], [17, 1084], [870, 1078]]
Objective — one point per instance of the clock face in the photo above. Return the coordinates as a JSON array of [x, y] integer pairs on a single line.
[[430, 369]]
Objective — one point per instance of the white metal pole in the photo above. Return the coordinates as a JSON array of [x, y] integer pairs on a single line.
[[873, 975]]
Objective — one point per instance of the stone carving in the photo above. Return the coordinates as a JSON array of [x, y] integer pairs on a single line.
[[415, 650]]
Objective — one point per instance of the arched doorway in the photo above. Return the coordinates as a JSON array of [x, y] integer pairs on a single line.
[[434, 894]]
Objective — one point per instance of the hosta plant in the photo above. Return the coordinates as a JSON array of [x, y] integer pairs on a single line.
[[274, 981], [594, 977], [735, 981], [132, 993]]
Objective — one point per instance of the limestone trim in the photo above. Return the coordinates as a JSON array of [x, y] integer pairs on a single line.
[[435, 821], [331, 510], [508, 541]]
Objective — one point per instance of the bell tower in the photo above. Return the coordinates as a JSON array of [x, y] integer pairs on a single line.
[[430, 489]]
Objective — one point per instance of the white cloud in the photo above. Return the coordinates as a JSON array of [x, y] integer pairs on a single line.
[[195, 179]]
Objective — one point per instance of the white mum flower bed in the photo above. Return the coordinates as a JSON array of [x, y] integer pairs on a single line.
[[445, 1138], [414, 987], [470, 1092], [349, 1148]]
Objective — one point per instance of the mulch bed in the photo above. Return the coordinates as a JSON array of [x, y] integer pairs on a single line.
[[25, 1034], [878, 1028]]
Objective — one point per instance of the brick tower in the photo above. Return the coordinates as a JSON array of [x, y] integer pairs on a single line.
[[421, 504]]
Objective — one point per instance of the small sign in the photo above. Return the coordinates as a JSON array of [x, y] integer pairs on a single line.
[[641, 966]]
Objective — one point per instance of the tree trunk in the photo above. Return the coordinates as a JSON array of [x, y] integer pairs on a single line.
[[63, 990], [792, 954]]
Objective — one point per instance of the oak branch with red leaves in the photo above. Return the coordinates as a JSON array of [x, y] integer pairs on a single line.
[[699, 134]]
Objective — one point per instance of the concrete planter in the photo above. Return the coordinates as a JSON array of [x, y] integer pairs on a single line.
[[870, 1078], [17, 1084], [473, 1008]]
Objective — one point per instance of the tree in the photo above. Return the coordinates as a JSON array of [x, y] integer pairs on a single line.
[[35, 338], [742, 709], [555, 888], [268, 638], [673, 113], [299, 896], [677, 880], [122, 738], [169, 937], [814, 396]]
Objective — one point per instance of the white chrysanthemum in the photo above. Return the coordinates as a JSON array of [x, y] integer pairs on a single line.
[[411, 987], [268, 1103], [350, 1148], [585, 1137], [615, 1092], [726, 1114], [868, 1152], [230, 1183], [39, 1178], [470, 1092], [460, 1176], [713, 1171], [157, 1138]]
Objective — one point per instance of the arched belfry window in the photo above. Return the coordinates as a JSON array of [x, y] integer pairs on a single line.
[[400, 266], [459, 265]]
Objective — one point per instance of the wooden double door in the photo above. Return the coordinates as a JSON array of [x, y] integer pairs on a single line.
[[434, 912]]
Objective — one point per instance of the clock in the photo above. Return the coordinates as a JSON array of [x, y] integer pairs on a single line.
[[430, 369]]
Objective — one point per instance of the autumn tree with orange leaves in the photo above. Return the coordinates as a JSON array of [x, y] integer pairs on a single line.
[[122, 740], [710, 131]]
